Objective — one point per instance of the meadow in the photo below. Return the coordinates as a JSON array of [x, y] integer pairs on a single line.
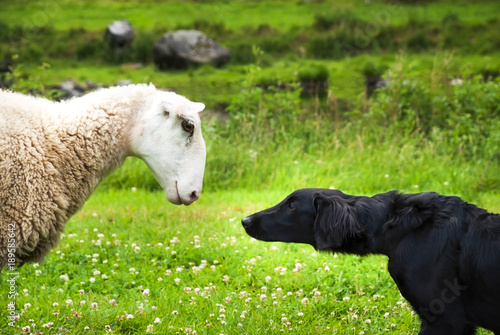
[[131, 263]]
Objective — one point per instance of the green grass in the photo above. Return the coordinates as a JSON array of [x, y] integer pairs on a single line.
[[418, 135], [123, 242], [93, 15]]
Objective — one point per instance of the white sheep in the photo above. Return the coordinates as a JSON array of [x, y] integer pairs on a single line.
[[53, 155]]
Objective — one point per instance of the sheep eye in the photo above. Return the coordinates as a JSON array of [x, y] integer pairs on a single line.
[[188, 127]]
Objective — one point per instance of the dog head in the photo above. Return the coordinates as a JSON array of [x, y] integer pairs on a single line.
[[322, 218]]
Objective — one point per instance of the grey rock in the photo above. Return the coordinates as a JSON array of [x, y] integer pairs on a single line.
[[119, 34], [182, 48]]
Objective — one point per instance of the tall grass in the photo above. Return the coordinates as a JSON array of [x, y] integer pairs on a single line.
[[406, 137]]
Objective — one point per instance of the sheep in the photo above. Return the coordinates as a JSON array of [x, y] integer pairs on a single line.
[[53, 155]]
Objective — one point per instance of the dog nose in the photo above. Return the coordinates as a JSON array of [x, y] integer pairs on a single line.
[[246, 222]]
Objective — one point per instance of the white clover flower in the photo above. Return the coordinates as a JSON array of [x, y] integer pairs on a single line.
[[346, 298], [225, 278], [157, 321], [92, 279], [149, 329], [69, 302], [64, 277], [130, 316], [146, 292], [94, 305], [175, 312]]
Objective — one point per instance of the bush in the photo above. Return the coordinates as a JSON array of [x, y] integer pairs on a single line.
[[314, 80]]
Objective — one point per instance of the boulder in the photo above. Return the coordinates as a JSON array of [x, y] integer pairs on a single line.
[[182, 48], [68, 89], [119, 35]]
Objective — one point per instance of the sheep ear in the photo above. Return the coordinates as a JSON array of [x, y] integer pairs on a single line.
[[335, 222], [197, 107], [410, 211]]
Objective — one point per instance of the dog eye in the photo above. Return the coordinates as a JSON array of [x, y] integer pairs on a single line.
[[291, 206]]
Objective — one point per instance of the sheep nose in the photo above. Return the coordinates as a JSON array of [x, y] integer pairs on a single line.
[[195, 195], [246, 222]]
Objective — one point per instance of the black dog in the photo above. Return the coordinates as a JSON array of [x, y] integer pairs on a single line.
[[444, 254]]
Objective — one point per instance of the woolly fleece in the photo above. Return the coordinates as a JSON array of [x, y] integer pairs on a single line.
[[53, 155]]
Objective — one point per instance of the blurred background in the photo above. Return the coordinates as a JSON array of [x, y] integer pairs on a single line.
[[360, 95]]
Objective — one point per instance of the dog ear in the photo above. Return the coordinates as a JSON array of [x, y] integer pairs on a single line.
[[410, 211], [335, 222]]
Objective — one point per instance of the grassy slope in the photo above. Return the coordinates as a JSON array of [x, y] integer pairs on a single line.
[[93, 15]]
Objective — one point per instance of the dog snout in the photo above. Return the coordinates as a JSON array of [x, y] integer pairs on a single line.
[[246, 222]]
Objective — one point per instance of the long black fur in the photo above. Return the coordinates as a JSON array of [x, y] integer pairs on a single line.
[[444, 254]]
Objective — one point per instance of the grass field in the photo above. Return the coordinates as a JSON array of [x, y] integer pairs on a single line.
[[131, 263]]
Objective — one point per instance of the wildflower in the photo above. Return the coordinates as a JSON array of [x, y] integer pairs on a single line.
[[55, 304], [27, 305], [82, 302], [130, 316], [81, 292], [94, 305], [225, 278], [175, 312], [346, 298], [96, 272], [268, 279], [263, 297], [305, 301], [157, 321], [64, 277], [92, 280], [177, 280], [69, 302], [146, 292], [113, 302]]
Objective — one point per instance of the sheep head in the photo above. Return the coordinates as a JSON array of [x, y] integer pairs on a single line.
[[166, 134]]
